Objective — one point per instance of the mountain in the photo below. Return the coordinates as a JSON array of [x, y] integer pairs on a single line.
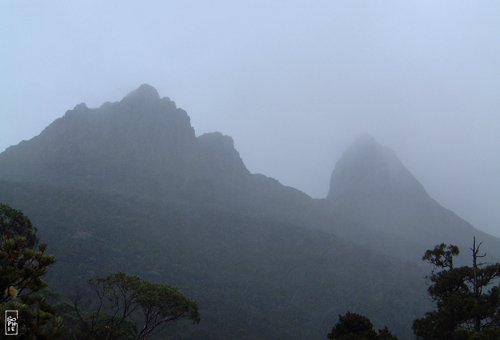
[[141, 145], [370, 186], [129, 186], [144, 146]]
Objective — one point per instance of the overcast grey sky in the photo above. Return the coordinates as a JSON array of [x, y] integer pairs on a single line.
[[292, 81]]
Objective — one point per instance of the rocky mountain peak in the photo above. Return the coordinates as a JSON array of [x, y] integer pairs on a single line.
[[144, 92], [143, 144], [369, 170]]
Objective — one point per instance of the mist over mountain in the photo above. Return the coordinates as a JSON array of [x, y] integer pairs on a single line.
[[143, 144], [368, 171], [370, 186], [131, 184]]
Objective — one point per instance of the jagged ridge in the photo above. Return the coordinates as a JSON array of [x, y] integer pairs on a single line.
[[142, 144]]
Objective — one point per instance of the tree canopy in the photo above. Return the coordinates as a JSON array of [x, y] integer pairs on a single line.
[[352, 326], [23, 263], [128, 307], [467, 297]]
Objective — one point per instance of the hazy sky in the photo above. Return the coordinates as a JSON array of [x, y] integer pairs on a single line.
[[292, 81]]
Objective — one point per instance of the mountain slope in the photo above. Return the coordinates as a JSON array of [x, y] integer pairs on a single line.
[[254, 277], [144, 146], [371, 187]]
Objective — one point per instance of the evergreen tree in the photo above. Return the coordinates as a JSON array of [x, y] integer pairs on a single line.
[[23, 263], [352, 326], [467, 298]]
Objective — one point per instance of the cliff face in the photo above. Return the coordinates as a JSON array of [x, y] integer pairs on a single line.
[[141, 145]]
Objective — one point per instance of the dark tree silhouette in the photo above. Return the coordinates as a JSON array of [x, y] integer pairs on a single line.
[[23, 263], [128, 307], [467, 298], [352, 326]]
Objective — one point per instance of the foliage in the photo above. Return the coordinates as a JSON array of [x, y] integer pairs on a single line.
[[128, 307], [467, 298], [352, 326], [23, 263]]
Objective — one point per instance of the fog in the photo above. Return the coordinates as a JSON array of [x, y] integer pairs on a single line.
[[292, 82]]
